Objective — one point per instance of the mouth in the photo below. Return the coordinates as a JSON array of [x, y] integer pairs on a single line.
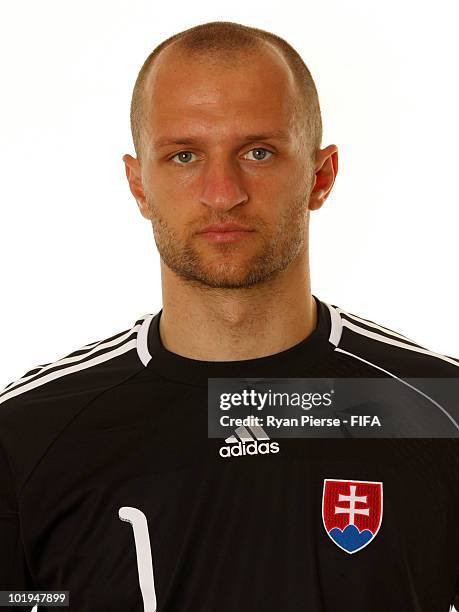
[[225, 232], [225, 236]]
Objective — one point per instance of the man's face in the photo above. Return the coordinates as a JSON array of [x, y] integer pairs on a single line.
[[223, 144]]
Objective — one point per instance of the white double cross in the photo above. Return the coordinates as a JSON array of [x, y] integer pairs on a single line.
[[352, 499]]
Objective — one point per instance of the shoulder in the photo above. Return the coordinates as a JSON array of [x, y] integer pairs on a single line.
[[422, 394], [92, 365], [380, 348], [36, 408]]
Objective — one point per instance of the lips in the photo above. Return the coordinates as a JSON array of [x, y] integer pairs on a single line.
[[225, 233], [225, 227]]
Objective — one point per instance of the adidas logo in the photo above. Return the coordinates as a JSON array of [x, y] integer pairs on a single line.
[[243, 443]]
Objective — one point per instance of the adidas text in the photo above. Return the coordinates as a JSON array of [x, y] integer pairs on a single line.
[[249, 448]]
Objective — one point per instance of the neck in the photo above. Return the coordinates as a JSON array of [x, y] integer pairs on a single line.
[[234, 324]]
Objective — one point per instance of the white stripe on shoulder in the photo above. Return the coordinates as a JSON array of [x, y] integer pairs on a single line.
[[336, 328], [376, 326], [103, 350], [79, 353], [393, 342], [338, 322], [142, 339], [445, 412]]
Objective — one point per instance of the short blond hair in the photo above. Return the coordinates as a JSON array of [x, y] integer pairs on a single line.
[[222, 40]]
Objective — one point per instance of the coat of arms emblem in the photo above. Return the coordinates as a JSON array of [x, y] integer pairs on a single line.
[[352, 512]]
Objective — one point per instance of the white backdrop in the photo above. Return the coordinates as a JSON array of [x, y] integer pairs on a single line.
[[79, 261]]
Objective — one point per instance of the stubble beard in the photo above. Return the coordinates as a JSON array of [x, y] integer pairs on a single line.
[[226, 269]]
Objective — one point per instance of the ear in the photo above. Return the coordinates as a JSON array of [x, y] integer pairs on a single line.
[[134, 177], [326, 169]]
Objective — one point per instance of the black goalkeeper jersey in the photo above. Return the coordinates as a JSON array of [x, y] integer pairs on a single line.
[[112, 489]]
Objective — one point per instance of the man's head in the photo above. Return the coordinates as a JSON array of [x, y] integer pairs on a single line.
[[226, 126]]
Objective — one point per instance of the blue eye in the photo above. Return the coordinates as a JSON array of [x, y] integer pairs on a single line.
[[183, 156], [260, 153]]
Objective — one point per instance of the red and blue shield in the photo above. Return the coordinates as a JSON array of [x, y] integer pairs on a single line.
[[352, 512]]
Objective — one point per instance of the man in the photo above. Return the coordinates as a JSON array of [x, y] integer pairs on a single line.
[[111, 487]]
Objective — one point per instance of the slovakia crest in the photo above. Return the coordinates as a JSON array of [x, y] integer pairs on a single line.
[[352, 512]]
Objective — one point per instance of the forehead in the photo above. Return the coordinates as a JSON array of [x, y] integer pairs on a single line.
[[253, 89]]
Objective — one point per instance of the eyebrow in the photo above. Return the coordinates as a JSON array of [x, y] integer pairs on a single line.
[[277, 135]]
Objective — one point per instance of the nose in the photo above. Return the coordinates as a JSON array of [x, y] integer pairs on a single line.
[[222, 186]]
